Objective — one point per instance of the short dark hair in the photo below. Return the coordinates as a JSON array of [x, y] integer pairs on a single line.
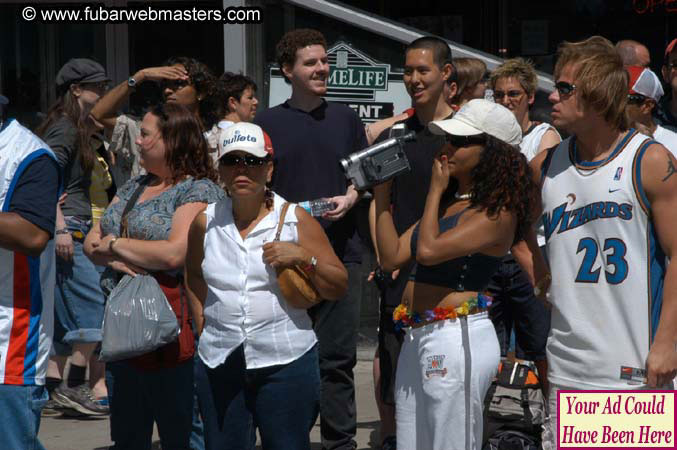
[[233, 85], [292, 41], [440, 49]]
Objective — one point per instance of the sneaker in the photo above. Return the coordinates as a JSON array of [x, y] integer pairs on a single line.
[[51, 409], [80, 398], [389, 443]]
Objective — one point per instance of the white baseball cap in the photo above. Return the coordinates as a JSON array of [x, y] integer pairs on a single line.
[[246, 137], [644, 82], [481, 116]]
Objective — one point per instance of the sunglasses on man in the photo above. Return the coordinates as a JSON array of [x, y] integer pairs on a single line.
[[247, 160], [565, 88]]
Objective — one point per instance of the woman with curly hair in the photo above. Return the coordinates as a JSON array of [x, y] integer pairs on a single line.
[[183, 80], [480, 196], [158, 386]]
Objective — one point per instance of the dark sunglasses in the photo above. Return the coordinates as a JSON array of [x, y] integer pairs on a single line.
[[247, 160], [463, 141], [636, 99], [498, 95], [565, 88], [173, 85]]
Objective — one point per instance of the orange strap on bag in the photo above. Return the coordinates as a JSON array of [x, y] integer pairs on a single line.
[[294, 282]]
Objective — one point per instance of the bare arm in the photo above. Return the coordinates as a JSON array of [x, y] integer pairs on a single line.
[[106, 109], [196, 287], [478, 233], [343, 204], [550, 139], [659, 180], [19, 235], [330, 277], [167, 254], [394, 251]]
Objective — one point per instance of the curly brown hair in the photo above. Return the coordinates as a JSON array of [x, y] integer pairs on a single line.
[[204, 82], [502, 180], [186, 149], [285, 50]]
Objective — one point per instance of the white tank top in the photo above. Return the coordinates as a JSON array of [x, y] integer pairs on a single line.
[[529, 148], [532, 140], [607, 265]]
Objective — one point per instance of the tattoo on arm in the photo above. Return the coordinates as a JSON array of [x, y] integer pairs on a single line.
[[671, 169]]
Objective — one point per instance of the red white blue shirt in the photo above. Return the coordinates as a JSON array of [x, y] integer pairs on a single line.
[[26, 283]]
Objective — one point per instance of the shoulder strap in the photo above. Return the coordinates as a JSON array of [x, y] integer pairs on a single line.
[[130, 204], [283, 214]]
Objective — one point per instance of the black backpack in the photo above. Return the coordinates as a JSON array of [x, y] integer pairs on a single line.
[[514, 409]]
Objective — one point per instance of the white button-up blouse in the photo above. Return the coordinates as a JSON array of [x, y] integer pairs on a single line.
[[244, 304]]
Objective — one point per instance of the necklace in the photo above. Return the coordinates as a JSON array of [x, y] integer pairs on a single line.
[[587, 173], [458, 196]]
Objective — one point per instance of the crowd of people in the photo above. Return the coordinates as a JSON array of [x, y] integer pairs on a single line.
[[501, 228]]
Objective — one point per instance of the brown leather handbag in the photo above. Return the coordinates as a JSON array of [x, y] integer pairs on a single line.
[[295, 284]]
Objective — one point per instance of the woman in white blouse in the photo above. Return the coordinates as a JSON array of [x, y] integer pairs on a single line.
[[259, 354]]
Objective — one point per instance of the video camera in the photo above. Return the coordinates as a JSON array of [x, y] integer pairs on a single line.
[[380, 162]]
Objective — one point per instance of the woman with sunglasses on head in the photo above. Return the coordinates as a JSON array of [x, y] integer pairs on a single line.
[[182, 80], [79, 302], [477, 206], [259, 351], [158, 208]]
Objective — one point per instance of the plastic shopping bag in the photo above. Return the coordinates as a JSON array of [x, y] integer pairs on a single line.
[[138, 319]]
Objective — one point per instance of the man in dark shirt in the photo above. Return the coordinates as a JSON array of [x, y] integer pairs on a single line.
[[310, 137], [427, 69], [29, 185]]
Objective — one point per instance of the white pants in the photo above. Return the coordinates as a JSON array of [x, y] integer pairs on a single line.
[[443, 373]]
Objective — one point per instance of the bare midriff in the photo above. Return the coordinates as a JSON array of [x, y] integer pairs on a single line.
[[419, 297]]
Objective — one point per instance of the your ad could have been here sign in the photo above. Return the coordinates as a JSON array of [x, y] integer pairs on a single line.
[[369, 87]]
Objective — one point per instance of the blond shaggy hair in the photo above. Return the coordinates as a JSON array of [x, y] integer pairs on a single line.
[[600, 78]]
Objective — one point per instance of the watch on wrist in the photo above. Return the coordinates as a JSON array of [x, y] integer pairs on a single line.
[[311, 266], [62, 231], [110, 244], [131, 82]]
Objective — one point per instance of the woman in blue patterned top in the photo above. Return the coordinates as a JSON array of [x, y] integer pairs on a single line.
[[156, 387]]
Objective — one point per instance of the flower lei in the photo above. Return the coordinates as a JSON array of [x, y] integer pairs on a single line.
[[403, 317]]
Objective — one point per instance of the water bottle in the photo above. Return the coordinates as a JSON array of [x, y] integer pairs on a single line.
[[318, 207]]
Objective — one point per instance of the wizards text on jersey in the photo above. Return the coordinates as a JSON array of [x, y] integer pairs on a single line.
[[564, 220]]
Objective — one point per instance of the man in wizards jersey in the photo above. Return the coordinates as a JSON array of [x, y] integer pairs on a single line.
[[609, 197]]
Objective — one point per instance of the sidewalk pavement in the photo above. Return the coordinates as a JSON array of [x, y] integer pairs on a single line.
[[63, 433]]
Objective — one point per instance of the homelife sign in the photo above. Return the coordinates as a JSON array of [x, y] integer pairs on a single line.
[[367, 86]]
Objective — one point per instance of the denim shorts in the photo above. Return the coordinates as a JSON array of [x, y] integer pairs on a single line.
[[78, 301], [20, 408]]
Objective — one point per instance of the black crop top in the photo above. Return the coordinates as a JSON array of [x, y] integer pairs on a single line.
[[468, 273]]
